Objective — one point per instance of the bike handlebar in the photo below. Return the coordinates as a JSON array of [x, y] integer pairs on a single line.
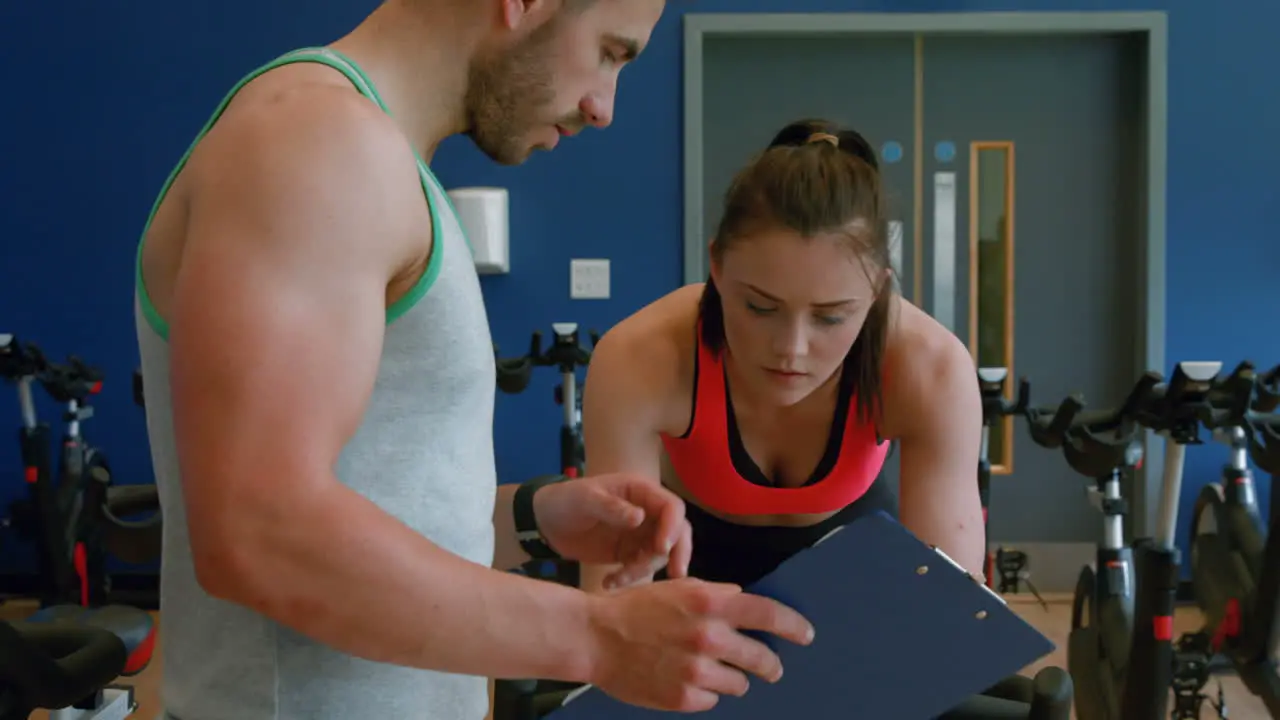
[[1195, 397], [1192, 398], [1268, 390], [514, 373], [72, 380], [1094, 442], [1247, 401], [566, 353], [995, 406], [19, 359]]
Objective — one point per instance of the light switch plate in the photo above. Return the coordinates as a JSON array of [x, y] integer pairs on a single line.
[[589, 279]]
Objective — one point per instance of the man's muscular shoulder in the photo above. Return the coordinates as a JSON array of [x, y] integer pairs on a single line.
[[313, 155]]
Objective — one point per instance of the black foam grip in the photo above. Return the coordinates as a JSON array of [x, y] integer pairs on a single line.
[[1052, 695], [514, 375], [58, 664]]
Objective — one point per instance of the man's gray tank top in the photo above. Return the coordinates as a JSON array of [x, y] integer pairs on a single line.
[[423, 453]]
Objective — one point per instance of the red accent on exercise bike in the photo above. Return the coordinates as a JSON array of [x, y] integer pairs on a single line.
[[33, 474], [81, 562], [1162, 627], [1229, 628], [97, 388], [571, 472], [141, 655]]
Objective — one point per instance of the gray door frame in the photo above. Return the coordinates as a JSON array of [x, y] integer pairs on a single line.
[[1152, 27]]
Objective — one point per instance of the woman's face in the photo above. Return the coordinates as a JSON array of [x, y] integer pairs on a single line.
[[792, 309]]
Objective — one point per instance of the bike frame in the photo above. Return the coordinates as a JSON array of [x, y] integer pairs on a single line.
[[79, 493], [1252, 652], [991, 383], [1175, 410], [34, 438], [68, 538], [1238, 488], [566, 354]]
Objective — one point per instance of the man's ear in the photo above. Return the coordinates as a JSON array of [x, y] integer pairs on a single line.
[[518, 15]]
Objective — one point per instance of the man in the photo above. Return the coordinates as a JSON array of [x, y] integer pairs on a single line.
[[320, 382]]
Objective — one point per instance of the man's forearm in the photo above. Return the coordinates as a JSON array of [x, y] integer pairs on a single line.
[[342, 571], [507, 553]]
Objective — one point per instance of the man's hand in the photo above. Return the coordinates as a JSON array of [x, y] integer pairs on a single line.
[[616, 519], [677, 645]]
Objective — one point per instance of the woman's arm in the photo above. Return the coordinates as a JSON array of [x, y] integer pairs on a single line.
[[937, 408], [620, 416]]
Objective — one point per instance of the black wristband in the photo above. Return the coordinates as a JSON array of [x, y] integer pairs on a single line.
[[526, 521]]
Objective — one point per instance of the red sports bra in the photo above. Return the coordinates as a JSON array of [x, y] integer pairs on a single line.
[[714, 467]]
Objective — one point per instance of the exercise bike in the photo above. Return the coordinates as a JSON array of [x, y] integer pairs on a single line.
[[1235, 562], [528, 698], [1104, 447], [1227, 528], [78, 518], [1120, 651], [65, 659], [566, 354], [1011, 565]]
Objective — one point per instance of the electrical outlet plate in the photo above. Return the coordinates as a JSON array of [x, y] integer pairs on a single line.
[[589, 279]]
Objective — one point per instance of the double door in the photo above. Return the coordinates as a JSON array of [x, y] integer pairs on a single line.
[[1012, 169]]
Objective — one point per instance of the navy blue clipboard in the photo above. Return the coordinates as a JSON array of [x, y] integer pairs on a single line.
[[902, 633]]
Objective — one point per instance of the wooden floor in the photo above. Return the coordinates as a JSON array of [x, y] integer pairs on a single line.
[[1054, 622]]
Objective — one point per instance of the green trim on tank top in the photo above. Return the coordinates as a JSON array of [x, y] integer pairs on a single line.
[[422, 166], [364, 85]]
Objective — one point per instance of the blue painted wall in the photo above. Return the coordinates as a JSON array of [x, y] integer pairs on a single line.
[[101, 99]]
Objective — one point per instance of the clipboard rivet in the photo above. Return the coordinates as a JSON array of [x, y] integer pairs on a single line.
[[922, 569], [981, 615]]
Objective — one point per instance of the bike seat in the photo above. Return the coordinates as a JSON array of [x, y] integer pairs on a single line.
[[133, 523], [128, 500], [63, 654]]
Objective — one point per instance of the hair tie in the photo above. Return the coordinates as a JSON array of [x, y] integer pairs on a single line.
[[824, 137]]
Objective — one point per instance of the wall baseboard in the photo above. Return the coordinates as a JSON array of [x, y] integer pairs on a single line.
[[1054, 568]]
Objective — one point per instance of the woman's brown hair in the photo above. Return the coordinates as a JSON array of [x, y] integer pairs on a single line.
[[814, 179]]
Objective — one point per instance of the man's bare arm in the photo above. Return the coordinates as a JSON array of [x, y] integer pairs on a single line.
[[507, 553], [619, 421], [940, 408], [300, 218]]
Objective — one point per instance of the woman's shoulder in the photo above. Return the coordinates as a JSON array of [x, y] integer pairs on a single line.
[[655, 346], [662, 330], [922, 358]]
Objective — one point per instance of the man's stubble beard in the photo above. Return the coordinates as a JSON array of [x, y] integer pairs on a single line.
[[506, 96]]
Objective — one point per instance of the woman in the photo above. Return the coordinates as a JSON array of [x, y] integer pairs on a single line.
[[768, 397]]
